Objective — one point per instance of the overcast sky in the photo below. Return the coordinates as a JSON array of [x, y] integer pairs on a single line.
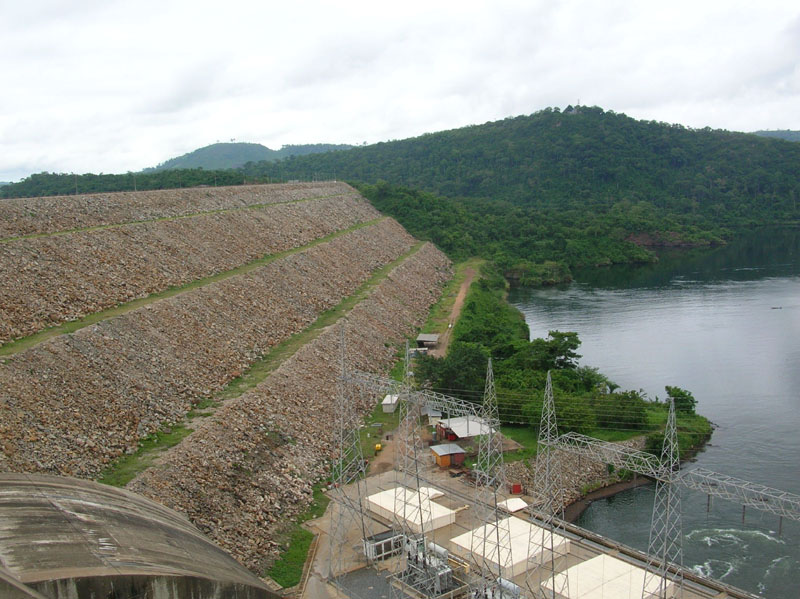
[[112, 86]]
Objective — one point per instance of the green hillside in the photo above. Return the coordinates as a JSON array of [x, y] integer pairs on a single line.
[[582, 160], [545, 193], [234, 155], [785, 134]]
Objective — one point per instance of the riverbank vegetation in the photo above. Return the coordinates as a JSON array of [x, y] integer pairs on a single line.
[[586, 401]]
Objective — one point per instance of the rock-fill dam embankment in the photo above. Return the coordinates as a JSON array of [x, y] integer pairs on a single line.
[[34, 216], [73, 403], [45, 281], [249, 469]]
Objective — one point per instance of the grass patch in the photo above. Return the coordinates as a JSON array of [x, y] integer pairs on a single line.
[[18, 345], [439, 316], [288, 568], [526, 436], [125, 468], [377, 424]]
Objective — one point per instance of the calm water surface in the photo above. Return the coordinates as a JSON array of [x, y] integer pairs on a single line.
[[724, 324]]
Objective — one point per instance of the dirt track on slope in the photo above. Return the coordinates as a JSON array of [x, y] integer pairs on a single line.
[[444, 341]]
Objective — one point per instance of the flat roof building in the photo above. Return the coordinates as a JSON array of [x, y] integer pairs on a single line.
[[605, 576], [448, 454], [463, 427], [427, 340], [512, 560], [402, 503]]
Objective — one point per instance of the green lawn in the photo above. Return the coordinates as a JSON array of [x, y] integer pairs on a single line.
[[288, 569], [526, 436]]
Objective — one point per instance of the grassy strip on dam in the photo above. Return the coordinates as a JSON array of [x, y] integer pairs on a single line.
[[126, 467], [19, 345]]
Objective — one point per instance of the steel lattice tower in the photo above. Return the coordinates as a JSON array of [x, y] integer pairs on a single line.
[[666, 536], [348, 471], [409, 482], [549, 490], [494, 542]]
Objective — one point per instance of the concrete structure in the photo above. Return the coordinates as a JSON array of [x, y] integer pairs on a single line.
[[481, 544], [389, 403], [463, 427], [401, 503], [512, 504], [605, 576], [448, 454], [65, 538], [427, 340]]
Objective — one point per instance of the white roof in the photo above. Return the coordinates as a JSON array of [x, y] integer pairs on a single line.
[[390, 399], [605, 576], [446, 449], [405, 503], [512, 504], [467, 426], [428, 337], [519, 549]]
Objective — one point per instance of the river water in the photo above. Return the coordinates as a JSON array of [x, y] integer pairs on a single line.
[[724, 324]]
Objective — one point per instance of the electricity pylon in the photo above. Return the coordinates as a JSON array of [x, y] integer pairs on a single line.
[[545, 541], [666, 537], [348, 473]]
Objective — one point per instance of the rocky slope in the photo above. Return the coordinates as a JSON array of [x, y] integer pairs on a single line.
[[73, 403], [250, 468], [48, 280]]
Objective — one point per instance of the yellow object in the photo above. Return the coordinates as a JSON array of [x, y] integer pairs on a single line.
[[377, 446]]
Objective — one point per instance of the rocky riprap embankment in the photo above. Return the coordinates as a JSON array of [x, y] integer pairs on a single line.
[[245, 472], [46, 281], [71, 404], [577, 473], [30, 216]]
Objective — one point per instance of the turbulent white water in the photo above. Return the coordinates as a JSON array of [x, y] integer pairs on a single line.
[[725, 325]]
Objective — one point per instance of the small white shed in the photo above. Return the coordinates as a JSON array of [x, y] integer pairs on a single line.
[[389, 403]]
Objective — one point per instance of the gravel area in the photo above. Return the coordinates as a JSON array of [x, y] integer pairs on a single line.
[[46, 281], [27, 216], [248, 470], [73, 403]]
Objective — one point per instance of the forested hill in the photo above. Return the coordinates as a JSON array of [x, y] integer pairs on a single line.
[[582, 159], [234, 155], [781, 134]]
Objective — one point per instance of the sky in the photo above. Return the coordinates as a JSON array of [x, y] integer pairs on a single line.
[[115, 86]]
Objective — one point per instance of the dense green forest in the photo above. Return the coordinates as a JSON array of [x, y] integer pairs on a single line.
[[234, 155], [530, 245], [785, 134], [585, 160], [586, 401]]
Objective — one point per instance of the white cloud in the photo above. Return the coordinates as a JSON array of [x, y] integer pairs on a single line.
[[117, 86]]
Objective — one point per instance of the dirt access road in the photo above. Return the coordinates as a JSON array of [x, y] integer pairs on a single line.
[[444, 340], [384, 461]]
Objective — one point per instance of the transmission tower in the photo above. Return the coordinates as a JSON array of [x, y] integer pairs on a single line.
[[666, 538], [545, 540], [412, 504], [348, 473], [493, 542]]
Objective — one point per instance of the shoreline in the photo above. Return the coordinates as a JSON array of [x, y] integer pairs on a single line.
[[574, 510]]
